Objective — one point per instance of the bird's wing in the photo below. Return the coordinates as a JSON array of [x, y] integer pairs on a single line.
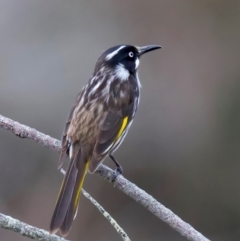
[[111, 131]]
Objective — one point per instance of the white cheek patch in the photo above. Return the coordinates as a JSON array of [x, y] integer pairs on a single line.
[[137, 61], [109, 56], [121, 72]]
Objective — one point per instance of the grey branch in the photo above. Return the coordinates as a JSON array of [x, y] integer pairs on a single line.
[[106, 173], [113, 222], [27, 230]]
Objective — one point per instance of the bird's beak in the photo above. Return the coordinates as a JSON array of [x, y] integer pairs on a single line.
[[148, 48]]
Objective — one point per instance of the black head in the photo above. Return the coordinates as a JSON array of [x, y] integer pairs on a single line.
[[125, 57]]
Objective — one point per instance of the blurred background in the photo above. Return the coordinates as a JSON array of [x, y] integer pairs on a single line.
[[184, 145]]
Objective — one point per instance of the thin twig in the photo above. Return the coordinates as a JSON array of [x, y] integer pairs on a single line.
[[113, 222], [27, 230], [106, 173]]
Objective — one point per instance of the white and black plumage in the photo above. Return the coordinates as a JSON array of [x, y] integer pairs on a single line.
[[97, 124]]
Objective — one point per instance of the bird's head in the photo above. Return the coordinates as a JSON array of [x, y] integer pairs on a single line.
[[123, 59]]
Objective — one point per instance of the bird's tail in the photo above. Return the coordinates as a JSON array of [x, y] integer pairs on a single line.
[[68, 198]]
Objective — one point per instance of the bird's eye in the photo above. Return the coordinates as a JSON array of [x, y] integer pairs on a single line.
[[131, 54]]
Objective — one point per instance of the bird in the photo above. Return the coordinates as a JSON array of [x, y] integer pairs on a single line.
[[97, 124]]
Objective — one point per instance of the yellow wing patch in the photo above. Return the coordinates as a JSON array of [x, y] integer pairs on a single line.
[[124, 124]]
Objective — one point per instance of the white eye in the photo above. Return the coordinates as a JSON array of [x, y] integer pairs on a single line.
[[131, 54]]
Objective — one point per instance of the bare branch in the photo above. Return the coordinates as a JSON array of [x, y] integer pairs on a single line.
[[27, 230], [23, 131], [152, 205], [106, 173]]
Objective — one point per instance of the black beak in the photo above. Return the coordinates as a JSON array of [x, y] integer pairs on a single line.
[[148, 48]]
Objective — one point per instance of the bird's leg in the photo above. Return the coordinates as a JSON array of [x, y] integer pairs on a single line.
[[118, 169]]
